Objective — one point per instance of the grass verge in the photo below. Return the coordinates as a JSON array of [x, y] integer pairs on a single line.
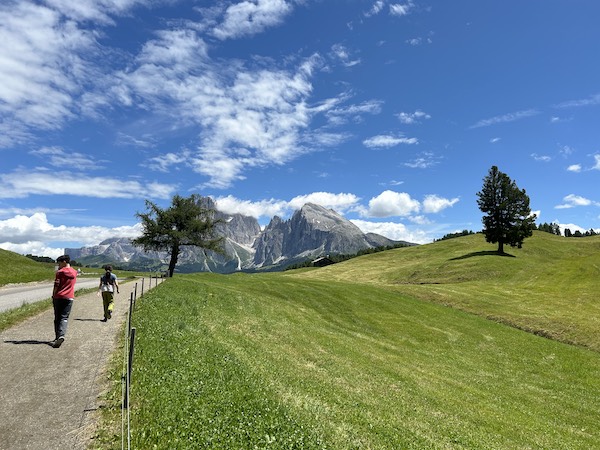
[[269, 361]]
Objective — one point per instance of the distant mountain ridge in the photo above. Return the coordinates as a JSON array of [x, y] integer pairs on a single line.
[[312, 231]]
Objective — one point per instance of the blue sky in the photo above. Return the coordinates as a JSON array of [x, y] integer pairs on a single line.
[[389, 112]]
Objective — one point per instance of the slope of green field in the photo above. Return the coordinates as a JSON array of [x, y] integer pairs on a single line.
[[549, 287], [19, 269], [351, 356]]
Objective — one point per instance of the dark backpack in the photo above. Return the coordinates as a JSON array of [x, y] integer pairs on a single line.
[[107, 278]]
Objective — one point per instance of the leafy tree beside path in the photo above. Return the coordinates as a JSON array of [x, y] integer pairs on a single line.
[[188, 221]]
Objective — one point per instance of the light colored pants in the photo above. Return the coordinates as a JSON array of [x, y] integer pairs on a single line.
[[108, 300]]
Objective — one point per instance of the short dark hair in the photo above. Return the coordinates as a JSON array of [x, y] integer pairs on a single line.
[[108, 268], [63, 258]]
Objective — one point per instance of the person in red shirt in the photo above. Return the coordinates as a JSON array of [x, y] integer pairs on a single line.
[[62, 298]]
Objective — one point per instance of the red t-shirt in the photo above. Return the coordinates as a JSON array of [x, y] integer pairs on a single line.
[[64, 283]]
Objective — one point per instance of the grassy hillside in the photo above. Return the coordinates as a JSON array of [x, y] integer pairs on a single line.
[[549, 287], [346, 357], [19, 269]]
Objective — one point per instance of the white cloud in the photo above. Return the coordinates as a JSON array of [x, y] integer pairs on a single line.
[[23, 184], [93, 10], [590, 101], [339, 115], [425, 160], [388, 141], [341, 203], [164, 162], [338, 202], [250, 117], [572, 200], [394, 231], [574, 168], [435, 204], [399, 9], [495, 140], [542, 158], [390, 203], [342, 53], [597, 165], [511, 117], [263, 208], [43, 68], [251, 17], [376, 8], [34, 234], [411, 118], [570, 226], [58, 157]]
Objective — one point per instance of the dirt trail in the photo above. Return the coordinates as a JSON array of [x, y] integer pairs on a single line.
[[48, 396]]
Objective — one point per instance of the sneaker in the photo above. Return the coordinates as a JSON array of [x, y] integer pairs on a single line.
[[109, 315], [105, 319], [58, 341]]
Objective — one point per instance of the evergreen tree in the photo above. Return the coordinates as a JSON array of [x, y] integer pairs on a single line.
[[188, 221], [508, 218]]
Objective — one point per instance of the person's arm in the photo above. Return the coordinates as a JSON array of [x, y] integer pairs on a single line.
[[116, 284], [55, 288]]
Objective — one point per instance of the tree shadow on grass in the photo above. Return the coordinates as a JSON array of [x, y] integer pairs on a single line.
[[484, 253]]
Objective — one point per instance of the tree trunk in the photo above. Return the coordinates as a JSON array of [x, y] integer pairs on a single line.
[[173, 261], [501, 247]]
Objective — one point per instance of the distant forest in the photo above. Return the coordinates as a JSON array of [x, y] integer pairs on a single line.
[[552, 228]]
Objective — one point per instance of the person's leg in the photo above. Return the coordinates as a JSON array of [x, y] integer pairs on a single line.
[[56, 306], [111, 304], [105, 304], [64, 310]]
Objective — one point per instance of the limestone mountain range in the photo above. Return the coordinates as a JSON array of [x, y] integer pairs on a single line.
[[312, 231]]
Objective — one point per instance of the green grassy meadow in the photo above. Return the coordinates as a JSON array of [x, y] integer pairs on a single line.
[[19, 269], [394, 350]]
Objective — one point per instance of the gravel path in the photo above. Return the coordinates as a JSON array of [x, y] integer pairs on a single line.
[[48, 396]]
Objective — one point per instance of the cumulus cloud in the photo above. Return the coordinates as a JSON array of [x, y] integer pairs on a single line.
[[341, 203], [34, 234], [262, 208], [390, 203], [338, 202], [572, 200], [394, 231], [434, 204], [574, 168]]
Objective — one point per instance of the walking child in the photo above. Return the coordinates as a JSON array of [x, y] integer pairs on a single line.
[[108, 284], [63, 295]]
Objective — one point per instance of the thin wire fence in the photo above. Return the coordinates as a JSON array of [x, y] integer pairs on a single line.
[[128, 350]]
